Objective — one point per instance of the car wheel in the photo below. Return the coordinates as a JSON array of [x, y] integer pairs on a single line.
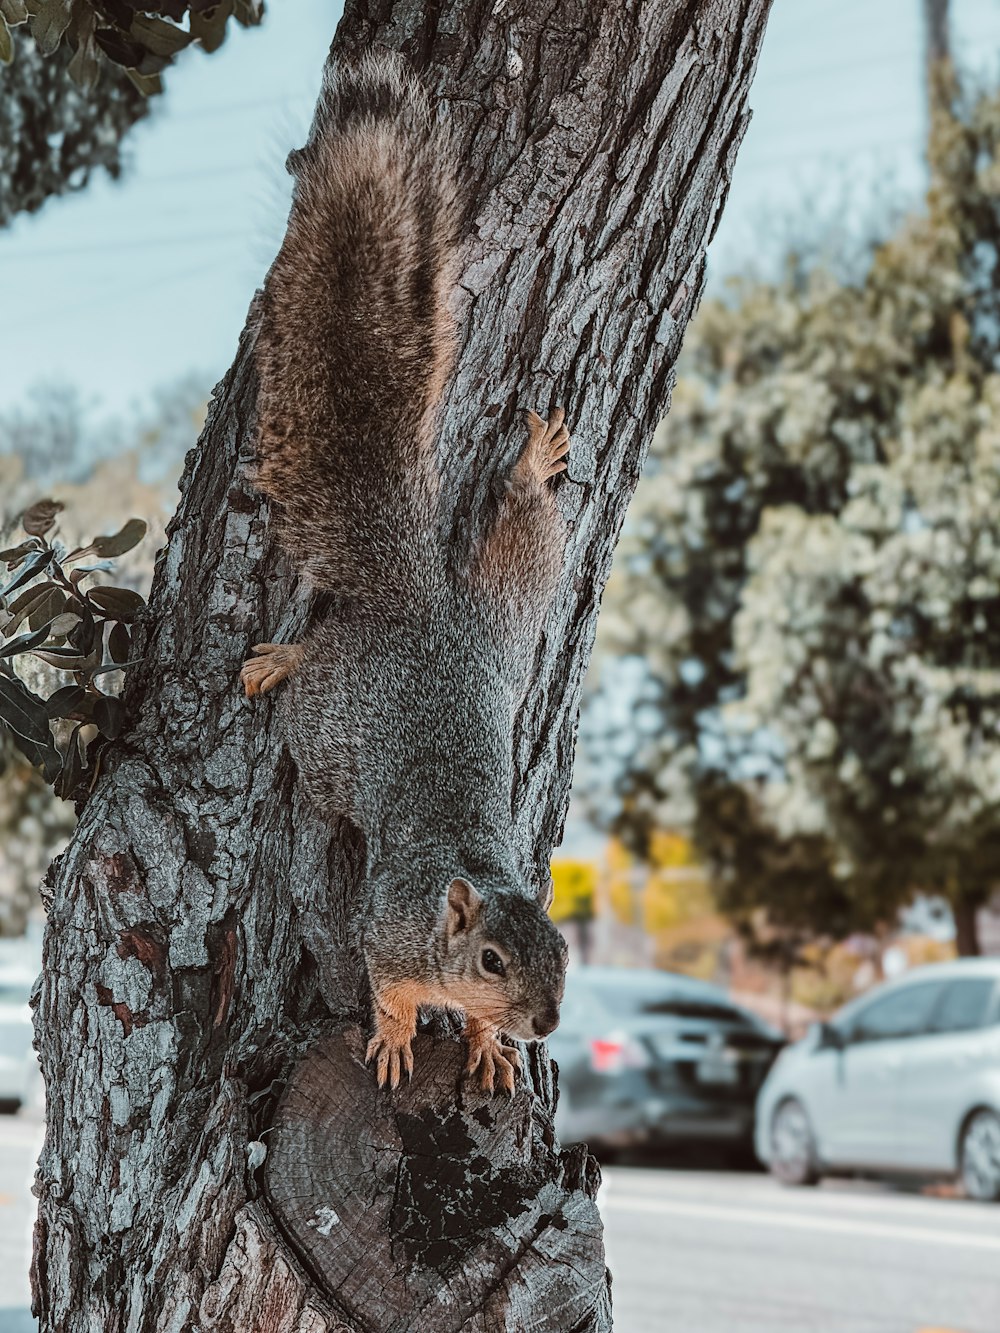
[[980, 1158], [793, 1148], [10, 1105]]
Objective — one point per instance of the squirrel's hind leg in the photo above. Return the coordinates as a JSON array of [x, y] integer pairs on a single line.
[[519, 557], [272, 663], [496, 1064]]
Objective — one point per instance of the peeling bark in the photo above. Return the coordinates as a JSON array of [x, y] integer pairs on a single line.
[[199, 987]]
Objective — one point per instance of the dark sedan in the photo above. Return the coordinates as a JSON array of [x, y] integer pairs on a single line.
[[654, 1058]]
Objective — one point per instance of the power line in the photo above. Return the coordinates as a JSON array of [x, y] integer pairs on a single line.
[[913, 139], [842, 67], [37, 317], [195, 173], [113, 247]]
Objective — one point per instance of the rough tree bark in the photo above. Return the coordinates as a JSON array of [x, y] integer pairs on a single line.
[[199, 995]]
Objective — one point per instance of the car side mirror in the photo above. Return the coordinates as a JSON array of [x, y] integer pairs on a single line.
[[829, 1037]]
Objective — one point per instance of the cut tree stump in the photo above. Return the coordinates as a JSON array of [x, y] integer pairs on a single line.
[[437, 1201]]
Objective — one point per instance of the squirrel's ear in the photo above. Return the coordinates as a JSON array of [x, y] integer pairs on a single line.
[[463, 908]]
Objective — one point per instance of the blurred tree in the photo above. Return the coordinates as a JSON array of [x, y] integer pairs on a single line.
[[53, 133], [937, 41], [52, 443], [812, 571], [34, 827], [77, 78]]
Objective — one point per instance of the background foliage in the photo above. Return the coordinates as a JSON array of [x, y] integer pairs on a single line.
[[54, 441], [75, 76], [812, 572]]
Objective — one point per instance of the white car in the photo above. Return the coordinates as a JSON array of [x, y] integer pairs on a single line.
[[904, 1079], [18, 1063]]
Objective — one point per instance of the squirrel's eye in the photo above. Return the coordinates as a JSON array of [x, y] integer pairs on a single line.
[[492, 962]]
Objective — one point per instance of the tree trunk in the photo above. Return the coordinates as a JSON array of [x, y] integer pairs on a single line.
[[966, 911], [939, 73], [937, 45], [199, 996]]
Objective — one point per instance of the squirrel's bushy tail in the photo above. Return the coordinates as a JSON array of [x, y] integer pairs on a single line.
[[355, 342]]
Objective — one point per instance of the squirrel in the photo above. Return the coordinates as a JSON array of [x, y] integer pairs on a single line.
[[401, 701]]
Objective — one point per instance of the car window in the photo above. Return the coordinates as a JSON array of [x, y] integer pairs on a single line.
[[963, 1006], [581, 1009], [631, 1000], [904, 1012]]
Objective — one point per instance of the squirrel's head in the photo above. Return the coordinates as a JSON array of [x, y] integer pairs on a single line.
[[503, 959]]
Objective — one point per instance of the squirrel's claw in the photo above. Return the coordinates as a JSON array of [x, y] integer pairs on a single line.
[[273, 663], [391, 1058], [495, 1064]]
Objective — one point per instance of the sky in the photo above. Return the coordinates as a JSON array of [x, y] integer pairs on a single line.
[[132, 284]]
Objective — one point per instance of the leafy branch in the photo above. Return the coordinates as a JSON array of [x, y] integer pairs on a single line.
[[47, 611], [142, 39]]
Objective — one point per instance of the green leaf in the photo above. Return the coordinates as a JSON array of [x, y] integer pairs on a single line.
[[33, 565], [72, 767], [48, 20], [119, 643], [24, 642], [69, 699], [148, 84], [15, 553], [109, 714], [40, 517], [67, 659], [121, 603], [130, 535], [14, 11], [84, 636], [23, 712], [85, 67], [45, 757], [46, 608], [64, 624], [162, 38], [24, 605], [209, 28], [249, 12], [6, 42]]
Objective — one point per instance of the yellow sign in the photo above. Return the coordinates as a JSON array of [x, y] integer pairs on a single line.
[[574, 884]]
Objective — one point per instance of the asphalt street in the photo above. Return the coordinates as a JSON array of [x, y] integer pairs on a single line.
[[716, 1252], [20, 1142], [713, 1252]]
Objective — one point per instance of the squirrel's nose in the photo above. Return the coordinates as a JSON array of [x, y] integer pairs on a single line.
[[545, 1022]]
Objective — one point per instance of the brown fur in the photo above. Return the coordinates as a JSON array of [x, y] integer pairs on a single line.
[[356, 343]]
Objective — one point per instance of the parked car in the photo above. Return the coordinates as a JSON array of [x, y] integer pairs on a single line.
[[18, 1063], [904, 1079], [651, 1058]]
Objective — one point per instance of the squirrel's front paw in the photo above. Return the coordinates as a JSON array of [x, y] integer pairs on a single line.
[[544, 455], [391, 1058], [272, 664], [495, 1064]]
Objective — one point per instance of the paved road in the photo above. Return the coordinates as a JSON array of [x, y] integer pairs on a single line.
[[713, 1252], [20, 1141], [709, 1252]]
